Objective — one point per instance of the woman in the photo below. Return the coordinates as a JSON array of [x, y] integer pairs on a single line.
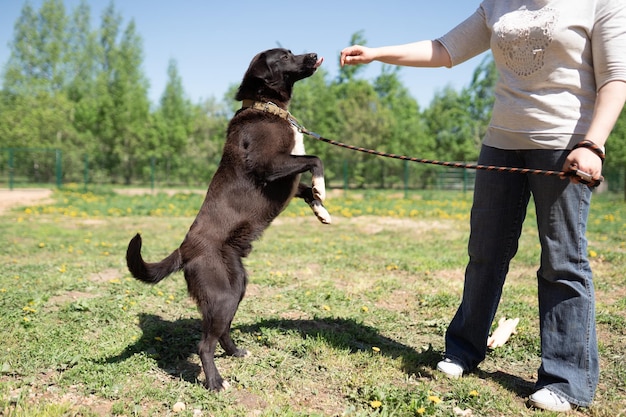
[[561, 88]]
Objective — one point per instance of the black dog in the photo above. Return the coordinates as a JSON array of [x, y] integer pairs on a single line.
[[258, 175]]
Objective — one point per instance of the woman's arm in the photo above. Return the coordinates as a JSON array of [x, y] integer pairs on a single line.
[[416, 54], [609, 103]]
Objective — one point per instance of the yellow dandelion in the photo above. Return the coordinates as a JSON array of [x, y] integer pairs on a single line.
[[375, 404], [593, 254], [420, 410], [365, 309], [474, 393], [375, 349], [158, 338], [434, 399], [42, 245], [325, 307]]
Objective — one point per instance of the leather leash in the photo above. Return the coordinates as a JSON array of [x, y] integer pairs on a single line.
[[583, 177]]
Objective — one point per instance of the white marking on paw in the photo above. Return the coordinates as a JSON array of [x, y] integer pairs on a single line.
[[298, 147], [319, 188], [320, 212]]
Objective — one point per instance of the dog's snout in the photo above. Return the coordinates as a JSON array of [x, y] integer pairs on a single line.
[[313, 60]]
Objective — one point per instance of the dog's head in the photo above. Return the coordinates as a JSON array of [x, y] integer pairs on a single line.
[[272, 74]]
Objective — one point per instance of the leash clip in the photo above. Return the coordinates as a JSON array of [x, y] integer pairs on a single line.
[[586, 178], [583, 175]]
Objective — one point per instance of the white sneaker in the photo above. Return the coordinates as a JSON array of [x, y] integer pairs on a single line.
[[548, 400], [450, 368]]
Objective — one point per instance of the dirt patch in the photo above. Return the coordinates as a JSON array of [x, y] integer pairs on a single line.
[[23, 197]]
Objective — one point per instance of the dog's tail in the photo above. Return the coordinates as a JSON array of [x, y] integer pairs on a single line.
[[150, 272]]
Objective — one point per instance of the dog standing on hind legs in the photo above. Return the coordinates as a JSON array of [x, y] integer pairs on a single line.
[[258, 175]]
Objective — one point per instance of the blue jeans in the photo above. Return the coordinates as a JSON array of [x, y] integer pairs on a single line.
[[569, 350]]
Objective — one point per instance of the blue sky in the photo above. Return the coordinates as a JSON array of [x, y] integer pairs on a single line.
[[213, 42]]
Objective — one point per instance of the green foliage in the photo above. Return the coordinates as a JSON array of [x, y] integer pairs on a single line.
[[81, 89]]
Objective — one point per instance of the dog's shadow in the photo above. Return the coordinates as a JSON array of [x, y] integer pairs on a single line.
[[173, 343]]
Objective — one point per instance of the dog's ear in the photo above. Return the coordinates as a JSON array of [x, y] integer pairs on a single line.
[[260, 68]]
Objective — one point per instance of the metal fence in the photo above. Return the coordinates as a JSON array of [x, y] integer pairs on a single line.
[[26, 167]]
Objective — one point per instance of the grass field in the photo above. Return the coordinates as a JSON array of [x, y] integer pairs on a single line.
[[340, 320]]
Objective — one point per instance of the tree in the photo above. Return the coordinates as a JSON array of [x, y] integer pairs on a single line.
[[130, 97], [82, 55], [37, 61], [122, 107], [406, 133], [35, 110], [452, 126], [172, 120]]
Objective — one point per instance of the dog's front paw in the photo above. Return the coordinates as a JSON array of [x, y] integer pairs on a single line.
[[319, 188], [320, 212]]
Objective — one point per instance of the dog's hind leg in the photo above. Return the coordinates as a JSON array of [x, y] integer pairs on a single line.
[[216, 328], [229, 346], [218, 292], [308, 195], [214, 380], [230, 303]]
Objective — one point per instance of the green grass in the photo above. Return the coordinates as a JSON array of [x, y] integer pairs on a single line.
[[340, 320]]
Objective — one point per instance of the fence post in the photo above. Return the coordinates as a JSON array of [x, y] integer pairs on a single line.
[[11, 173], [465, 179], [152, 169], [406, 178], [59, 166], [85, 172], [345, 176]]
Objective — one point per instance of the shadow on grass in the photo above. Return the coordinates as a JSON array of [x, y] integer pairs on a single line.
[[512, 383], [349, 334], [173, 343], [170, 343]]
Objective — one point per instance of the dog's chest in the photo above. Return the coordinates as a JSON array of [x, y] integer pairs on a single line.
[[298, 147]]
